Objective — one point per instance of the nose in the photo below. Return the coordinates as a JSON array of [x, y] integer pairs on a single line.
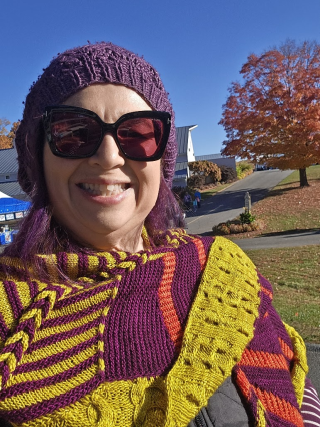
[[108, 155]]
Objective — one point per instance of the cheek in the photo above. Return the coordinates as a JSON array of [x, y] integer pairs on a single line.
[[56, 172]]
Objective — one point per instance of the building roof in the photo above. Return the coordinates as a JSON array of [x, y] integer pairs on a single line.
[[210, 157], [13, 189], [182, 134], [181, 166], [8, 161]]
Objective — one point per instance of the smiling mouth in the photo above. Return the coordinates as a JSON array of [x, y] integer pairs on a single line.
[[105, 190]]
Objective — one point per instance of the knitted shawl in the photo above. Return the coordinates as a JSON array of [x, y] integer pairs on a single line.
[[144, 339]]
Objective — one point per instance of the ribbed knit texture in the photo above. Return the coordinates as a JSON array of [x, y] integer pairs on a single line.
[[143, 339], [76, 69]]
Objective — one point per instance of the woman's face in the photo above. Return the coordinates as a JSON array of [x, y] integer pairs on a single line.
[[104, 199]]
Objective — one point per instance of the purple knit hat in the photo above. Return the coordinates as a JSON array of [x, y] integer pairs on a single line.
[[73, 70]]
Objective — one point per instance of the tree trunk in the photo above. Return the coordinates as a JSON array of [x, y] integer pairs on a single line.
[[303, 178]]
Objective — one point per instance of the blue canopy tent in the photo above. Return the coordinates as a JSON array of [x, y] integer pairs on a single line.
[[10, 209]]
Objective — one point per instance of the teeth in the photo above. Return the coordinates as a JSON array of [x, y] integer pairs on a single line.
[[103, 190]]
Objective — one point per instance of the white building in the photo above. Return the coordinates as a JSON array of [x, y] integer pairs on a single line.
[[186, 155]]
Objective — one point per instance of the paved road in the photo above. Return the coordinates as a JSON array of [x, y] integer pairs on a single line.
[[229, 203], [281, 240]]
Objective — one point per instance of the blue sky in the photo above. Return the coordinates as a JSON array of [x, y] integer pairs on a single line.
[[197, 46]]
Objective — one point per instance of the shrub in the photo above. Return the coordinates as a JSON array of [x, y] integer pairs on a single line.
[[247, 218], [196, 181], [244, 169], [234, 227], [228, 174]]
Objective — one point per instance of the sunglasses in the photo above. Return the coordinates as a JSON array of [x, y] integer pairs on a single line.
[[76, 133]]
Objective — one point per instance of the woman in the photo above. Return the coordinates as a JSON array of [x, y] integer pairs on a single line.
[[107, 317]]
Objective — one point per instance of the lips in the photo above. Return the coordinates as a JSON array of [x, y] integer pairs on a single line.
[[104, 190]]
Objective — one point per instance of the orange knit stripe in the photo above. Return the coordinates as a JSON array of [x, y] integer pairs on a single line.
[[201, 252], [167, 307], [244, 384], [286, 349], [267, 292], [270, 402], [261, 359], [279, 407]]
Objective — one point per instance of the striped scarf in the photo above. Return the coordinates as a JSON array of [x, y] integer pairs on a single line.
[[144, 339]]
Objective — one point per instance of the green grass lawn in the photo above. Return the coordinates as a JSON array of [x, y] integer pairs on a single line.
[[295, 276], [313, 172], [289, 207]]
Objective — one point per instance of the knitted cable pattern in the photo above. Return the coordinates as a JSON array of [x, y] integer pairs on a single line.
[[142, 339]]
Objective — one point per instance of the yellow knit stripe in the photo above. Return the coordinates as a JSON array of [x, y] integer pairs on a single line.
[[72, 265], [55, 369], [66, 344], [51, 265], [47, 332], [23, 290], [219, 327], [101, 340], [12, 262], [6, 309], [261, 422], [84, 303], [300, 367], [49, 392], [140, 402], [111, 261], [152, 257], [93, 263]]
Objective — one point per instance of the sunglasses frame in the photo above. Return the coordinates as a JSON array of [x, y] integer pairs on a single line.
[[111, 128]]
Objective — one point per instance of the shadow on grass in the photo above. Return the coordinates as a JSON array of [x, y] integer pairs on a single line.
[[291, 232], [285, 189]]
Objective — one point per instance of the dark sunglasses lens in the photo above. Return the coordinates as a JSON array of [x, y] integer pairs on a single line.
[[74, 134], [140, 138]]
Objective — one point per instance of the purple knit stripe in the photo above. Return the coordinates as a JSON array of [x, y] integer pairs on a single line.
[[49, 323], [282, 333], [265, 298], [185, 281], [272, 380], [140, 344], [48, 406], [102, 263], [84, 295], [13, 297], [63, 335], [266, 340], [56, 358], [62, 260], [33, 287], [265, 283], [83, 264], [274, 420], [28, 386], [4, 331]]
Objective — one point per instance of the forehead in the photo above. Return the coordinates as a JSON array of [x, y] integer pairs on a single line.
[[107, 95]]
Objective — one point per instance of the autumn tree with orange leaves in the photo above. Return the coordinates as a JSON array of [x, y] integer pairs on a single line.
[[273, 117], [7, 137]]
